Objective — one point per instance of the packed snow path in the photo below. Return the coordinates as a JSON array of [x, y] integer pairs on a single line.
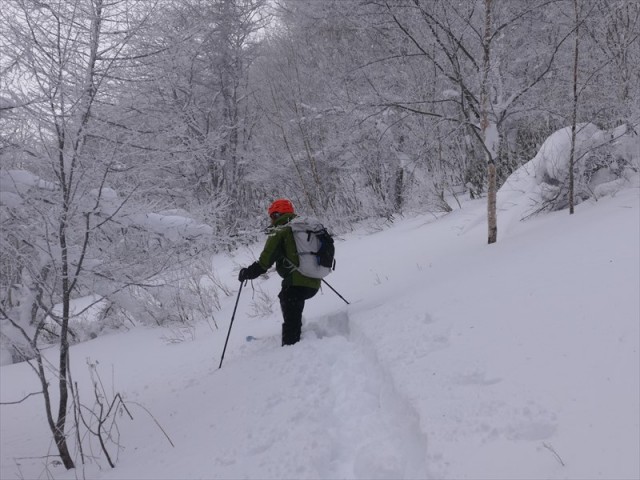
[[324, 408]]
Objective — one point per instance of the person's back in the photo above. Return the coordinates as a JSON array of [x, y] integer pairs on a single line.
[[280, 248]]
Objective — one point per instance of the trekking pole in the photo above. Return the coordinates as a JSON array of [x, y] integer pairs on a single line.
[[230, 325], [334, 291], [327, 283]]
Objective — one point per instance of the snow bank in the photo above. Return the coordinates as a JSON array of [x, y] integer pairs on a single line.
[[19, 181], [606, 161], [14, 183], [172, 227]]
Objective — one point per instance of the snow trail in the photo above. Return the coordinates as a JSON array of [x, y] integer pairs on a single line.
[[323, 408], [334, 388]]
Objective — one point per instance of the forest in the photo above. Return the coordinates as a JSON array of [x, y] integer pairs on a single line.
[[139, 137]]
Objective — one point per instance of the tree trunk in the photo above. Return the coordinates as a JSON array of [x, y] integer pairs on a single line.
[[63, 367], [398, 188], [492, 218], [574, 113], [489, 143]]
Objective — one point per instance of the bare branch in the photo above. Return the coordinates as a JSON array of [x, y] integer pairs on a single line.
[[21, 400]]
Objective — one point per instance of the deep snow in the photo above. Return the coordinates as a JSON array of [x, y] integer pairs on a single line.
[[455, 359]]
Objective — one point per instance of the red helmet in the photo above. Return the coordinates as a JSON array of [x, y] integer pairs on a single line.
[[281, 205]]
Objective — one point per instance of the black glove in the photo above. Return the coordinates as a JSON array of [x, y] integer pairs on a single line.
[[242, 275], [252, 271]]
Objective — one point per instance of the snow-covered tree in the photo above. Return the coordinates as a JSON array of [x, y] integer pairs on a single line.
[[67, 232]]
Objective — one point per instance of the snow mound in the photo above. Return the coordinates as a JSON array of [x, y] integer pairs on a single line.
[[605, 162], [18, 182]]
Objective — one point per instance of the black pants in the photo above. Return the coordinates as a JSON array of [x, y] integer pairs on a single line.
[[292, 303]]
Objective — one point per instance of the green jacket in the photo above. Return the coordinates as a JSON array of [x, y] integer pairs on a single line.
[[280, 249]]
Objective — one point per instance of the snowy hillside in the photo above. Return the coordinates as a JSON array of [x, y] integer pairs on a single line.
[[455, 359]]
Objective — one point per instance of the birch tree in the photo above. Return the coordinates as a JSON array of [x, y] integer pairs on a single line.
[[471, 49], [574, 109], [488, 129]]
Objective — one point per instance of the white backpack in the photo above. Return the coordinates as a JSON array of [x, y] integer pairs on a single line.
[[315, 248]]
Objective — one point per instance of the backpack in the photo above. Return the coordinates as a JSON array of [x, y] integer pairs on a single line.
[[315, 248]]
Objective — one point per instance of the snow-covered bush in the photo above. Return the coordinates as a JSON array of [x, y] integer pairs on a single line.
[[130, 265], [184, 296], [601, 157], [607, 161]]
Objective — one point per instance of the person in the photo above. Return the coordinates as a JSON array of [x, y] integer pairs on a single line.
[[280, 248]]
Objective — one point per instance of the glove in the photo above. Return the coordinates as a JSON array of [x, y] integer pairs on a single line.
[[252, 271], [242, 276]]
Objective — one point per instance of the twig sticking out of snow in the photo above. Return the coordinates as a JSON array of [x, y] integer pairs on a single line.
[[552, 450]]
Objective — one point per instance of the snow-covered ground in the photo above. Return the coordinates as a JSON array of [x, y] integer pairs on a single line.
[[455, 359]]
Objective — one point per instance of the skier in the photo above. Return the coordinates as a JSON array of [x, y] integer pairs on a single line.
[[280, 248]]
